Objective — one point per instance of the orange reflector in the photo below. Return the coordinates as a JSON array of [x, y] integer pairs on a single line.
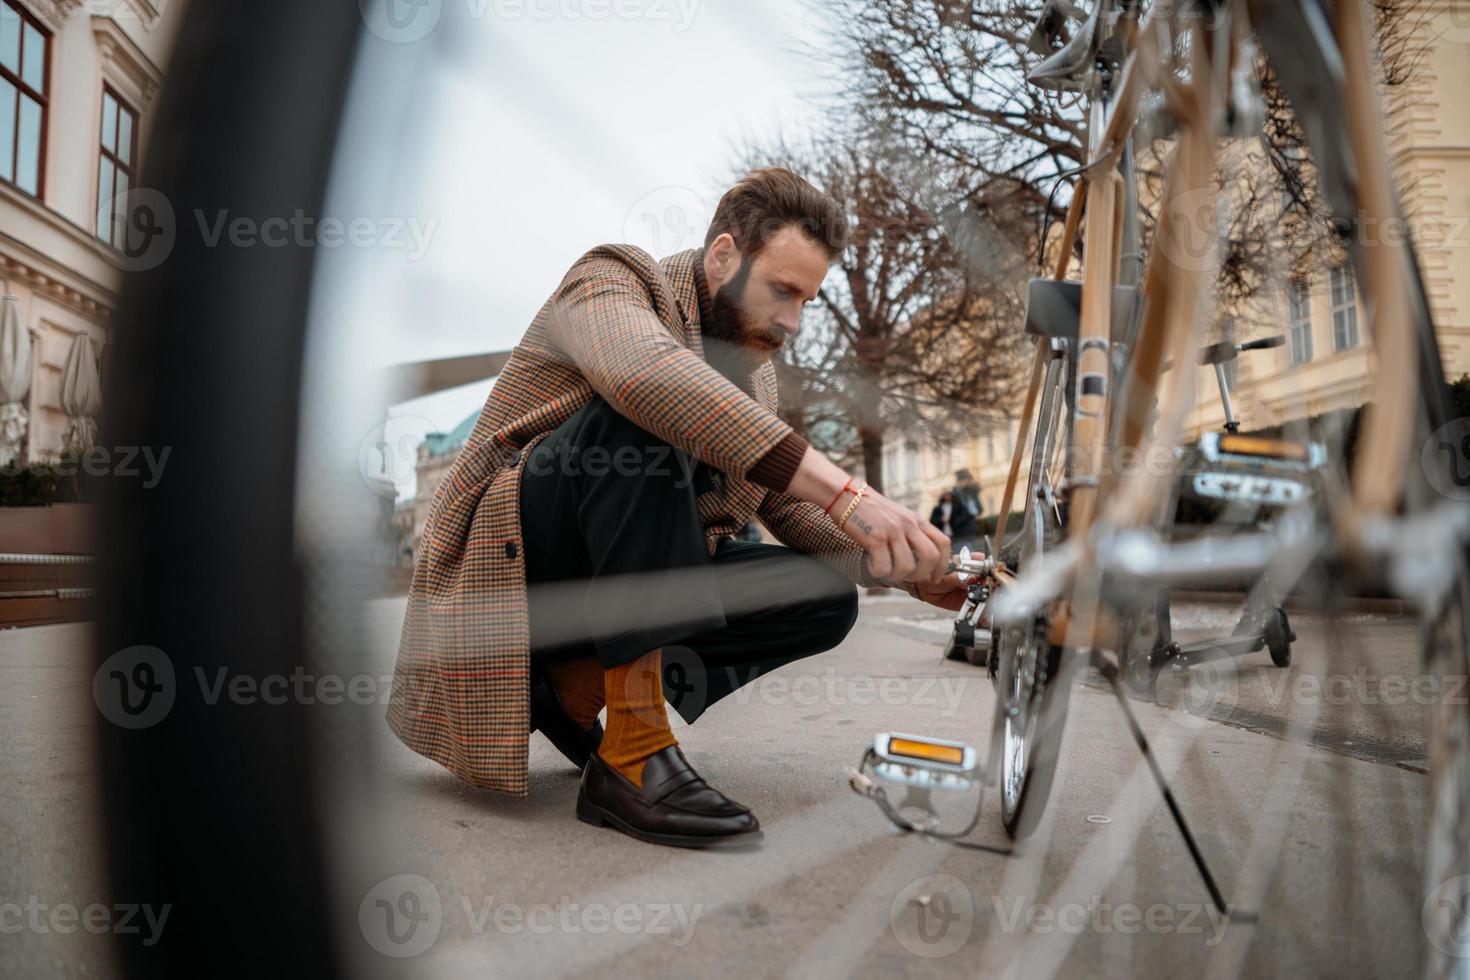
[[927, 750], [1253, 446]]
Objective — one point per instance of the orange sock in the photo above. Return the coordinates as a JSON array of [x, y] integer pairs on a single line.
[[579, 684], [637, 724]]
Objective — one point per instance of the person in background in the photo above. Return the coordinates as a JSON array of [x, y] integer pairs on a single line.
[[966, 510], [941, 514]]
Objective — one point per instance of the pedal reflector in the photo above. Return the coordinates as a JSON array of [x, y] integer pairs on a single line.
[[1267, 448], [925, 763], [910, 748]]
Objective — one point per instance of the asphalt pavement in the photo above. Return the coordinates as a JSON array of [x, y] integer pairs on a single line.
[[1303, 786]]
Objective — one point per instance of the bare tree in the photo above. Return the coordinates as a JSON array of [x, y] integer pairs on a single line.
[[947, 78], [918, 325]]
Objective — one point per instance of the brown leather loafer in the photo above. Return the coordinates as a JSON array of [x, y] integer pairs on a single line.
[[550, 719], [675, 806]]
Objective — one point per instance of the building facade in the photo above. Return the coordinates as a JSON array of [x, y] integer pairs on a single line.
[[434, 457], [78, 87]]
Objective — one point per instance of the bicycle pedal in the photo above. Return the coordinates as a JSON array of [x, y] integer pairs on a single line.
[[924, 763], [1250, 488], [1228, 448]]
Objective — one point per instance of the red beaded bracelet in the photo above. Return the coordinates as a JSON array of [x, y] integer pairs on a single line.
[[846, 488]]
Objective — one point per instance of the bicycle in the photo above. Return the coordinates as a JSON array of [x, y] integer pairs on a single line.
[[1080, 585]]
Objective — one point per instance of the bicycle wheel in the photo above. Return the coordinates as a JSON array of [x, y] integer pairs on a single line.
[[1036, 696], [1031, 697]]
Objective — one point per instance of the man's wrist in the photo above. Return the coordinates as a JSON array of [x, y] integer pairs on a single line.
[[817, 479]]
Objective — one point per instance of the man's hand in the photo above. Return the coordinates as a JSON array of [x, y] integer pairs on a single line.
[[901, 546], [947, 593]]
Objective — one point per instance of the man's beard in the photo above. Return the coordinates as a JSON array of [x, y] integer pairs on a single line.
[[732, 342]]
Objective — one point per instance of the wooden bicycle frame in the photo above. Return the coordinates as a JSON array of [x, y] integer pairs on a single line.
[[1173, 292]]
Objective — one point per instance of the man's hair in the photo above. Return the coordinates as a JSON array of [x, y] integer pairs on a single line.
[[770, 199]]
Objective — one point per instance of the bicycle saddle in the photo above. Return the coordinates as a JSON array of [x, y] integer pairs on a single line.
[[1066, 68], [1051, 31]]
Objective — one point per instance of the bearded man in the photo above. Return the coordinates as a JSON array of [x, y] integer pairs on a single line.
[[580, 553]]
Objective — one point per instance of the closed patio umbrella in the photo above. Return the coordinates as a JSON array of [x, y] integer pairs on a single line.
[[15, 380], [81, 395]]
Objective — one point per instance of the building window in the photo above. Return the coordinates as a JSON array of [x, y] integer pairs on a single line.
[[1299, 295], [24, 50], [1344, 309], [116, 166]]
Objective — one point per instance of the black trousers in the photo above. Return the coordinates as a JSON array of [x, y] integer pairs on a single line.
[[616, 566]]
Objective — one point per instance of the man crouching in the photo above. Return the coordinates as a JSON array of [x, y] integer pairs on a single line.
[[589, 525]]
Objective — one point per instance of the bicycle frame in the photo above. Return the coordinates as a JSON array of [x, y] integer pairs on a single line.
[[1104, 505]]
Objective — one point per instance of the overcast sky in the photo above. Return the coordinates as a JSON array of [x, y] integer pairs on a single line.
[[533, 138]]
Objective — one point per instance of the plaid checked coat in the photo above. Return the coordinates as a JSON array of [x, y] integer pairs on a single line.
[[627, 328]]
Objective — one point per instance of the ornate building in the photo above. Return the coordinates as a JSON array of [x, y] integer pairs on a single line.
[[78, 83], [435, 454]]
